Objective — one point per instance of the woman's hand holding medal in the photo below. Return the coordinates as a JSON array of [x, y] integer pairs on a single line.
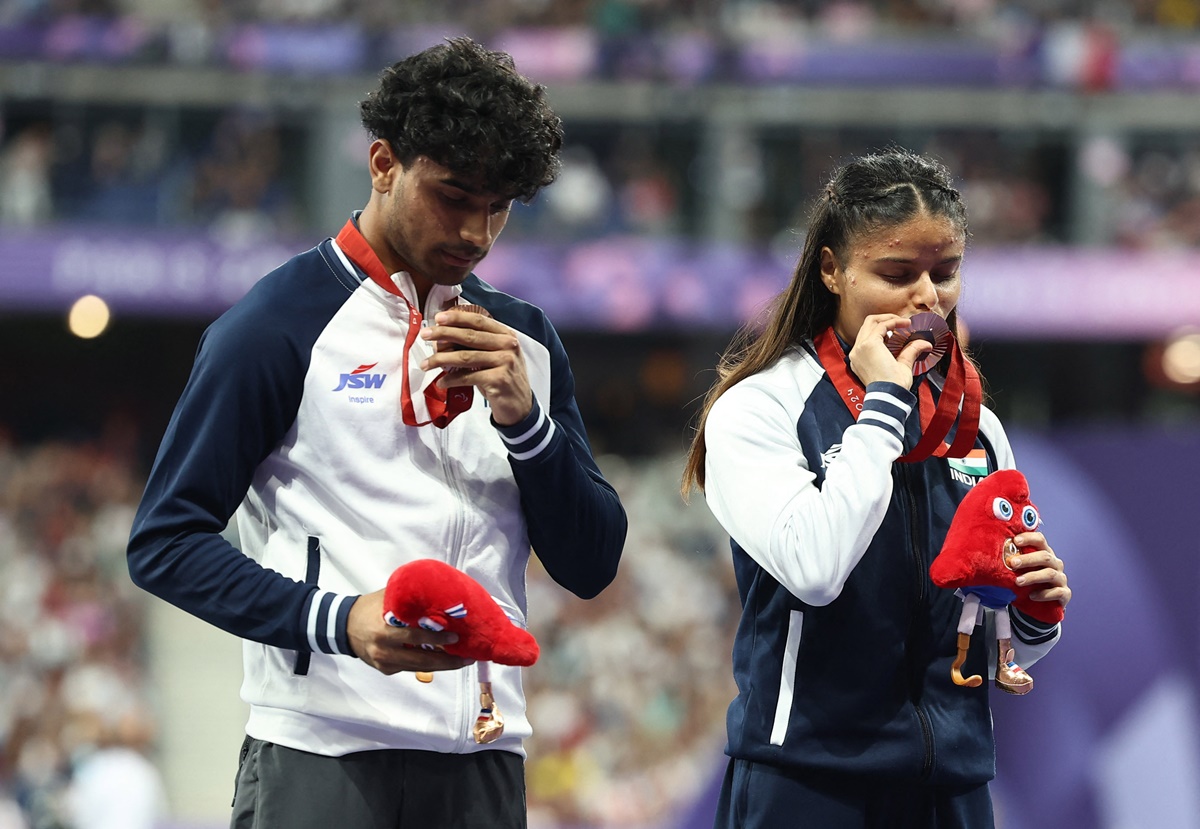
[[872, 360], [927, 339]]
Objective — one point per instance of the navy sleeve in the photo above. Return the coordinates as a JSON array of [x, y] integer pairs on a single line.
[[576, 522], [240, 401]]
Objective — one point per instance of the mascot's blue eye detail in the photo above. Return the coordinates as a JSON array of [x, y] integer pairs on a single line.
[[1002, 509], [1030, 518]]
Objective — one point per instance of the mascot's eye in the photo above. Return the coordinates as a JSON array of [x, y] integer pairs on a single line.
[[1030, 518], [392, 620], [1002, 508], [429, 624]]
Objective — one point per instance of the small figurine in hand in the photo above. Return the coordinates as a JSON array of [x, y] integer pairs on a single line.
[[433, 595], [978, 557]]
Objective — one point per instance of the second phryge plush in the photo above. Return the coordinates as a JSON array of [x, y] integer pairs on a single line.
[[977, 558]]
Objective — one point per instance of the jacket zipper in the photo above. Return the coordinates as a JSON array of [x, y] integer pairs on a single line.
[[454, 555], [913, 540], [466, 706], [458, 530], [922, 600]]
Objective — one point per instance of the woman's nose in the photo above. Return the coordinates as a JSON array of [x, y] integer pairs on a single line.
[[925, 294]]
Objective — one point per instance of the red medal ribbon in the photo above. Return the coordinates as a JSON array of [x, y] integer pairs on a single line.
[[444, 404], [962, 386]]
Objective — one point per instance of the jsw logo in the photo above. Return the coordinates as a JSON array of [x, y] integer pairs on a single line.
[[359, 379]]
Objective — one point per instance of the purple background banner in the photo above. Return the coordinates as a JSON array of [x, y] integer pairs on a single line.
[[616, 283], [146, 272]]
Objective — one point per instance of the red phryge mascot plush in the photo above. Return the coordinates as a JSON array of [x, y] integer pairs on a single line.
[[435, 596], [976, 559]]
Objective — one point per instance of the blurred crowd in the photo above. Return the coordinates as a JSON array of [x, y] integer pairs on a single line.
[[628, 699], [696, 40], [625, 16], [1159, 194], [75, 707], [224, 172], [242, 173]]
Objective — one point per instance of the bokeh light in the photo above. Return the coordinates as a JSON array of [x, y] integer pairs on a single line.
[[88, 317], [1181, 358]]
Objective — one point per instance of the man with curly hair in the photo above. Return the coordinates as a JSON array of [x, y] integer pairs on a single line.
[[369, 403]]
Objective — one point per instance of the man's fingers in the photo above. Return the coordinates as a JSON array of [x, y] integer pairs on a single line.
[[447, 336], [419, 637], [462, 318], [414, 649], [467, 328], [464, 345], [411, 659], [468, 368]]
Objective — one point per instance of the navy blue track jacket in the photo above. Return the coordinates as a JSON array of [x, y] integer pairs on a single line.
[[842, 656], [292, 419]]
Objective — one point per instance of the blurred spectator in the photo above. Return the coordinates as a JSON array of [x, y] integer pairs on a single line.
[[648, 200], [581, 202], [1156, 200], [1011, 181], [10, 815], [118, 176], [1010, 199], [237, 187], [113, 784], [220, 170], [25, 177], [1146, 190]]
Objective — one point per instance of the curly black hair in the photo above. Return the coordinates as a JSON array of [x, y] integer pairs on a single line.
[[469, 110]]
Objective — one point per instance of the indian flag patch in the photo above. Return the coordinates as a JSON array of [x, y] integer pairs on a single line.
[[974, 464]]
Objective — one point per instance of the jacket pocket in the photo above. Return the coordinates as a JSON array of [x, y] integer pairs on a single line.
[[311, 574]]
